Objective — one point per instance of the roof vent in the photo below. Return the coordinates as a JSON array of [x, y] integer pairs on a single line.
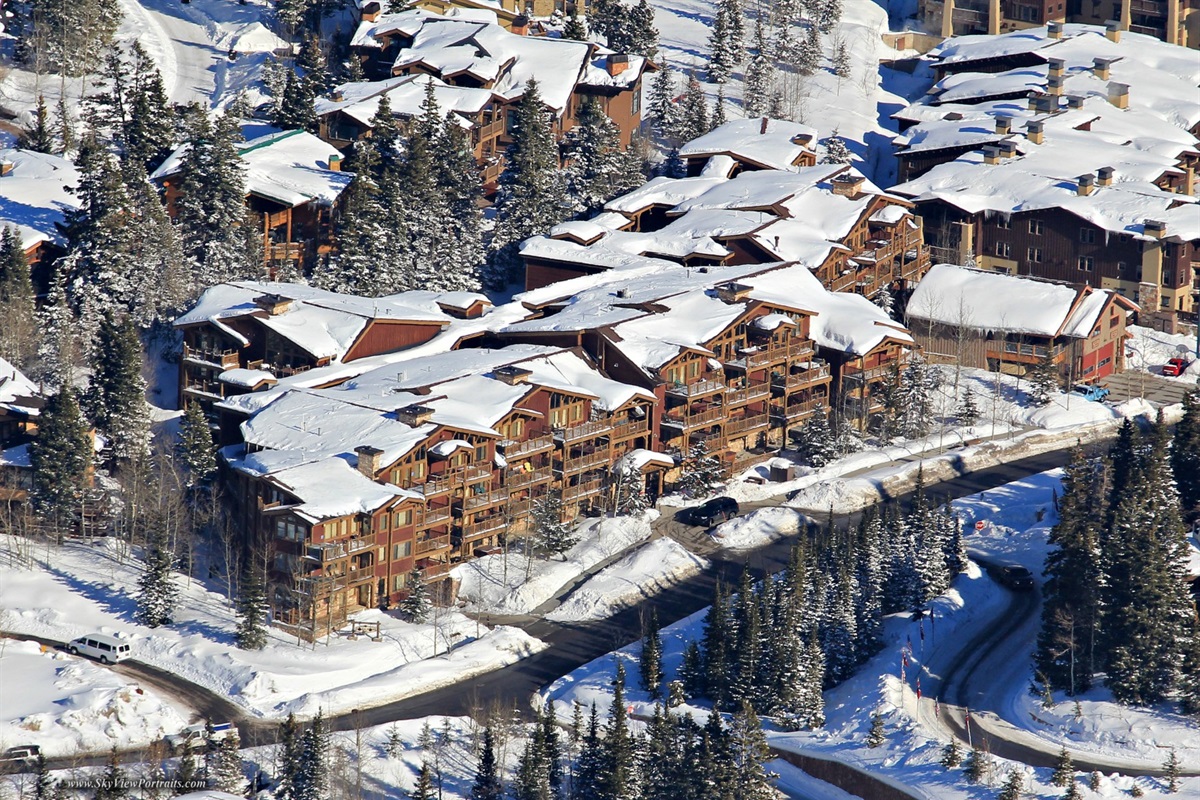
[[1054, 85], [1057, 66], [1003, 124], [1075, 101], [414, 415], [1102, 67], [1104, 177], [512, 374], [733, 292], [1085, 185], [1118, 94], [616, 63], [1035, 131], [1008, 149], [991, 154], [1112, 30], [1155, 228]]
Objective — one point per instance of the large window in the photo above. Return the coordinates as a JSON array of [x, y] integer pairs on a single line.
[[289, 529], [1002, 249], [1035, 227], [1035, 255], [1087, 263]]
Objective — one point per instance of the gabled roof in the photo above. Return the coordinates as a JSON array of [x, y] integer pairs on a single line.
[[18, 394], [763, 142], [983, 300], [405, 95], [34, 196]]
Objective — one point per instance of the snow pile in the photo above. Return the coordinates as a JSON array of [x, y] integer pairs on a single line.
[[513, 583], [759, 527], [67, 704], [641, 574]]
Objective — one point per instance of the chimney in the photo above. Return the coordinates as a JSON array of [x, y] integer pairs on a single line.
[[520, 25], [1054, 85], [1075, 101], [1035, 131], [1085, 185], [273, 304], [848, 184], [6, 167], [368, 460], [335, 162], [1118, 94], [617, 63], [1105, 176], [1045, 104], [1008, 149], [991, 154], [1102, 67], [1112, 30], [1003, 124], [1031, 100], [512, 374], [337, 95], [1054, 30], [1155, 229], [414, 415], [732, 292], [1056, 66], [762, 128]]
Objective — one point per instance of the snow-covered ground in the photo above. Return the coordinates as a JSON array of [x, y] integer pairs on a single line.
[[489, 585], [1016, 518], [64, 592], [1149, 349]]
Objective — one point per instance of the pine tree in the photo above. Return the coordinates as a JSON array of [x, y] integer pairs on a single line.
[[289, 759], [718, 642], [1013, 787], [718, 117], [295, 109], [884, 300], [597, 168], [691, 670], [693, 113], [650, 663], [721, 49], [415, 605], [1064, 769], [551, 534], [37, 135], [20, 334], [640, 35], [836, 151], [157, 592], [461, 242], [760, 80], [814, 444], [1094, 781], [841, 60], [661, 109], [618, 777], [225, 771], [487, 785], [1171, 772], [1185, 454], [61, 457], [967, 414], [978, 766], [808, 57], [748, 747], [630, 490], [311, 60], [951, 755], [875, 736], [1043, 380], [252, 609], [590, 765], [114, 782], [312, 779], [700, 472], [116, 398], [365, 245], [1072, 792], [575, 27], [423, 790], [195, 450], [530, 198]]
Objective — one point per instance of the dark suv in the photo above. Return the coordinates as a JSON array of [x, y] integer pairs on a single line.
[[711, 512], [1015, 577]]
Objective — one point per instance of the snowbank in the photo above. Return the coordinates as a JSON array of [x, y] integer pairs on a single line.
[[759, 527]]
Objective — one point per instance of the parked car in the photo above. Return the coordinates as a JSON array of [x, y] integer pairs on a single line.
[[194, 736], [1015, 577], [710, 512], [102, 647], [1092, 391], [1175, 367], [20, 758]]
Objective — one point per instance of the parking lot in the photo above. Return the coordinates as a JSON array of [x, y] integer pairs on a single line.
[[1159, 391]]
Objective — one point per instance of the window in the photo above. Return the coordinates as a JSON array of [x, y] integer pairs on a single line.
[[1035, 255], [398, 582], [1004, 223], [1168, 277], [1035, 227], [1087, 235], [402, 518], [636, 100], [288, 528], [401, 550], [1087, 263], [481, 453], [1002, 249], [1122, 267]]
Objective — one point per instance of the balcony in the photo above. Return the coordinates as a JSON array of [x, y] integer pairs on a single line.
[[515, 450], [435, 570], [430, 544], [738, 397], [587, 430], [751, 422], [632, 427], [853, 375], [332, 551], [225, 359], [473, 473], [473, 502], [698, 389], [1028, 353], [815, 373], [517, 509], [794, 412], [518, 479], [584, 462], [472, 530], [435, 516], [695, 420], [572, 494], [434, 486]]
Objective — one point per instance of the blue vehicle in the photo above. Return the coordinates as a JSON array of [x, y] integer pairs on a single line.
[[1092, 391]]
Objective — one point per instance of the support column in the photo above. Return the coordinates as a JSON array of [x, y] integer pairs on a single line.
[[1126, 14], [994, 17], [947, 18], [1173, 21]]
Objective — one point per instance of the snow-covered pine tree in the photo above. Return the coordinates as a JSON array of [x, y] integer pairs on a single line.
[[295, 111], [68, 38], [749, 751], [661, 109], [252, 608], [195, 450], [673, 166], [691, 670], [642, 36], [841, 60], [1043, 380], [314, 65], [20, 334], [814, 443], [951, 755], [721, 49], [312, 778], [1064, 769], [630, 491], [1185, 453], [115, 400], [967, 413], [365, 245], [875, 736], [461, 253], [808, 53], [978, 766], [487, 785], [760, 80], [421, 197], [225, 768], [157, 592], [1172, 772], [954, 548], [530, 198], [884, 299], [37, 135], [619, 769], [575, 27], [61, 458], [114, 781], [606, 16], [828, 14], [919, 381], [903, 588], [1014, 787], [836, 151], [871, 572], [598, 169], [718, 642], [718, 117], [156, 283], [551, 534], [693, 113], [415, 605]]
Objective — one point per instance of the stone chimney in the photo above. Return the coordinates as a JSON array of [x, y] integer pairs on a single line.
[[414, 415], [368, 460], [337, 95], [733, 292], [1086, 183], [1056, 66], [1112, 30], [1155, 229], [1104, 177], [617, 63], [848, 184], [520, 25], [1075, 101], [991, 154], [1008, 149], [1102, 67], [1003, 124], [273, 304], [1045, 104], [1035, 131], [1054, 30], [1054, 85], [335, 162], [1118, 94], [512, 374]]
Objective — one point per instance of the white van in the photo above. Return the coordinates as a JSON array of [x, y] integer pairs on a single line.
[[106, 649]]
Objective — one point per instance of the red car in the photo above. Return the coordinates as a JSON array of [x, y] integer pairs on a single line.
[[1175, 367]]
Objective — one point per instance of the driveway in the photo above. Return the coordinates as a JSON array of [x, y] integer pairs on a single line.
[[1156, 389]]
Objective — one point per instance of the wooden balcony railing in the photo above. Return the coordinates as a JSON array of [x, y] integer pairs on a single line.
[[587, 430], [515, 450], [483, 500], [631, 427], [226, 359], [471, 530], [737, 425], [435, 569], [696, 389], [434, 516], [579, 491], [518, 479], [794, 380], [756, 391], [694, 420], [583, 462], [431, 544]]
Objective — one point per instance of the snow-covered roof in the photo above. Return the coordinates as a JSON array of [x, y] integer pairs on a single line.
[[637, 460], [290, 168], [983, 300], [405, 95], [325, 324], [245, 378], [768, 143], [34, 194], [16, 389], [332, 488]]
